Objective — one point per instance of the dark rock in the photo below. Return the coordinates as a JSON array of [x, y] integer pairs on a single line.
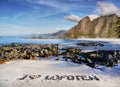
[[93, 65], [28, 51], [58, 59], [93, 59], [90, 44], [108, 58]]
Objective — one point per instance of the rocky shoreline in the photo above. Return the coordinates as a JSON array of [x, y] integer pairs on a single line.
[[108, 58], [28, 51]]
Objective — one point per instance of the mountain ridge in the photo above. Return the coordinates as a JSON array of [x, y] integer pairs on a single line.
[[49, 35], [102, 27]]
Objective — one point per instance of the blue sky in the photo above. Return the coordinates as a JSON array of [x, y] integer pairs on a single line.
[[19, 17]]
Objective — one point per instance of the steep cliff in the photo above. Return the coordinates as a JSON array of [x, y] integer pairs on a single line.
[[103, 27]]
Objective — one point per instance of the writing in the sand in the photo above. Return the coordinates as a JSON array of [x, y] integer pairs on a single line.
[[62, 77]]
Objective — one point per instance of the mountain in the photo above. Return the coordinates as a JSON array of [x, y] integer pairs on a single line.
[[49, 35], [58, 33], [102, 27]]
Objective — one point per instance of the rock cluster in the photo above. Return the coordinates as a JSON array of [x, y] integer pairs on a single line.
[[70, 53], [93, 59], [74, 55], [103, 57], [90, 44], [27, 51]]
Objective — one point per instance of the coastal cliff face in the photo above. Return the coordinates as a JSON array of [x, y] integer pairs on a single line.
[[103, 27]]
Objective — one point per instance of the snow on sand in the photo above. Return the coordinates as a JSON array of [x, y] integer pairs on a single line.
[[11, 74]]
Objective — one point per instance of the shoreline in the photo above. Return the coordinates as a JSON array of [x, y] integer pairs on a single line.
[[94, 58]]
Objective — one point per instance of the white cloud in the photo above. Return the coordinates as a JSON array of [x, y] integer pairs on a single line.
[[73, 18], [106, 8], [48, 3], [51, 3], [58, 29], [93, 16], [56, 7]]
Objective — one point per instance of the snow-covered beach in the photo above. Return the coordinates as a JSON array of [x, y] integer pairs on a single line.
[[59, 43], [33, 73], [11, 73]]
